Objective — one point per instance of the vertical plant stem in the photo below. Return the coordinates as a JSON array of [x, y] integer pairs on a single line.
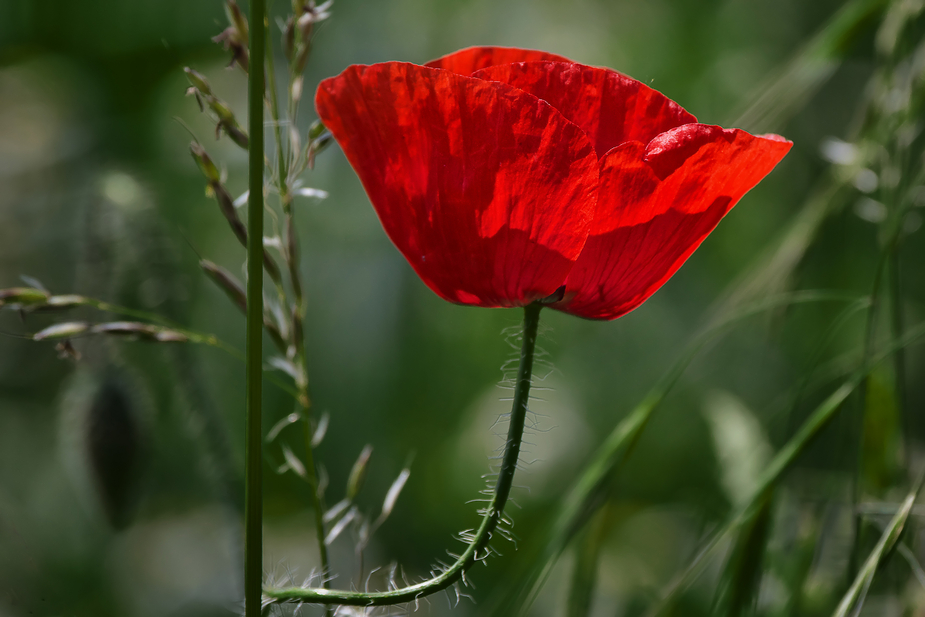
[[253, 512]]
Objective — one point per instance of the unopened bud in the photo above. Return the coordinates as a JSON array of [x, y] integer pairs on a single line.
[[358, 473], [315, 130]]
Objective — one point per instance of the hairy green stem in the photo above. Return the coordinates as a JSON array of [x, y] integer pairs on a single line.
[[253, 491], [475, 550]]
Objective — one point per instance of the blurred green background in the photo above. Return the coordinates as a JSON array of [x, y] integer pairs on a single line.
[[99, 196]]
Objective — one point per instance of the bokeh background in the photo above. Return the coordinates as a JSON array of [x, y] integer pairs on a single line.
[[99, 196]]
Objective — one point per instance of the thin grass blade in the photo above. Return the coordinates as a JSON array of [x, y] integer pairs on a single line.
[[854, 598]]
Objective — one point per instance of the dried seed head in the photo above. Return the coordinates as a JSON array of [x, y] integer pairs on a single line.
[[315, 130]]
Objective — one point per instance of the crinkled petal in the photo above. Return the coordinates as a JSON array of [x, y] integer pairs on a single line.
[[610, 107], [486, 190], [467, 61], [656, 204]]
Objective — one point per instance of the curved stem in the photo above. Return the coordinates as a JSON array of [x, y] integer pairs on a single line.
[[253, 491], [493, 513]]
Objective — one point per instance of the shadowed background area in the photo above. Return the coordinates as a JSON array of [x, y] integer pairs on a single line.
[[120, 473]]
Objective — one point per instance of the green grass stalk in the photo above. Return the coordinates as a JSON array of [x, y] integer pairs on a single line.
[[253, 491]]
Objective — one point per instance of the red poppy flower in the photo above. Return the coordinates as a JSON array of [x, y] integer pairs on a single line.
[[503, 175]]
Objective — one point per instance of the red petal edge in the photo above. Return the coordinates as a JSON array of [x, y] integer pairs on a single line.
[[656, 204], [610, 107], [467, 61], [487, 191]]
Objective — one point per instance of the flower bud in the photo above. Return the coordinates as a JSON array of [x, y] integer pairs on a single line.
[[315, 130]]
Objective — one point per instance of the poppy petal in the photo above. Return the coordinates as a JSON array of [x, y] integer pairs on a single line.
[[656, 204], [467, 61], [486, 190], [610, 107]]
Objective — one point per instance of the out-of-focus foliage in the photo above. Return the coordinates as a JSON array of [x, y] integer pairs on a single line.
[[120, 474]]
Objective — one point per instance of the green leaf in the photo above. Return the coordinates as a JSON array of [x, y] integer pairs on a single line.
[[740, 586], [584, 574]]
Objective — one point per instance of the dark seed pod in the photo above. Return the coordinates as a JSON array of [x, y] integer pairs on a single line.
[[114, 451]]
